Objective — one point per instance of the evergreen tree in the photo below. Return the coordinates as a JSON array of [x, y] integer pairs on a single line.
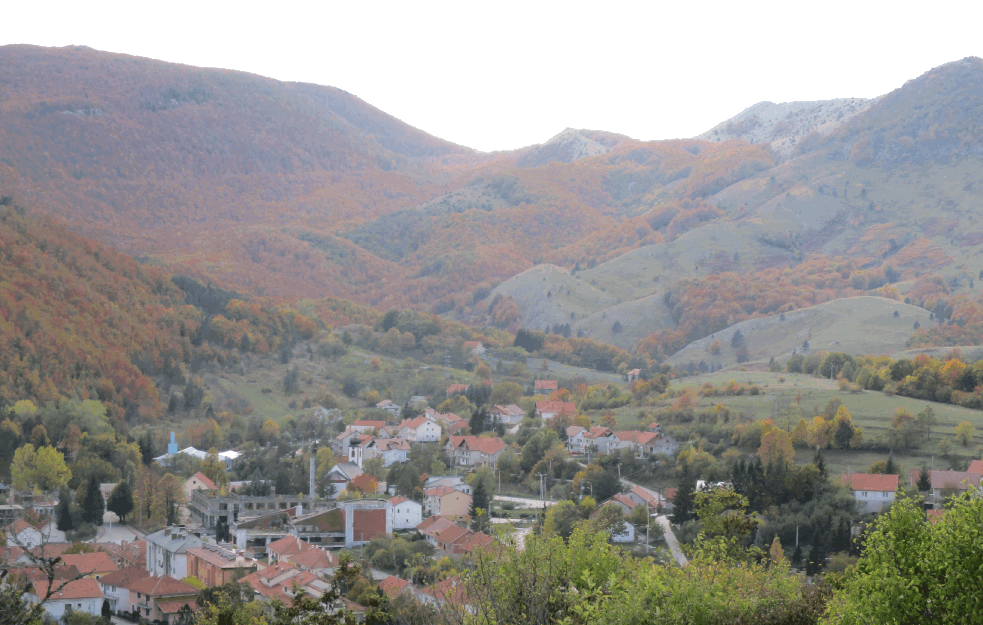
[[685, 498], [479, 421], [91, 502], [924, 480], [121, 500], [890, 468], [797, 555], [63, 513], [146, 444], [479, 501], [820, 463]]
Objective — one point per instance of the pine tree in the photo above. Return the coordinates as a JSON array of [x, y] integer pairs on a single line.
[[890, 468], [684, 500], [63, 513], [820, 463], [121, 500], [797, 555], [479, 501], [924, 480], [92, 503]]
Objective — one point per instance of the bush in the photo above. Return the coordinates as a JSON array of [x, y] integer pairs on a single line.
[[508, 505]]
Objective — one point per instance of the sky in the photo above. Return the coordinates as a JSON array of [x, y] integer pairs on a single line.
[[504, 75]]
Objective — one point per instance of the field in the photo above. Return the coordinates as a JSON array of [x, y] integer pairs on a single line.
[[870, 410]]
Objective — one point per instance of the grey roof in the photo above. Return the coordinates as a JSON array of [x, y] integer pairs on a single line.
[[347, 469], [177, 540]]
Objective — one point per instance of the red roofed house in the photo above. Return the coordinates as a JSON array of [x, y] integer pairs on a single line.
[[389, 406], [476, 541], [281, 549], [450, 539], [81, 595], [116, 587], [94, 565], [393, 585], [642, 443], [420, 430], [23, 534], [600, 440], [471, 451], [508, 415], [448, 502], [215, 565], [546, 410], [367, 426], [198, 481], [872, 491], [161, 598], [955, 481], [455, 389], [391, 450], [543, 386]]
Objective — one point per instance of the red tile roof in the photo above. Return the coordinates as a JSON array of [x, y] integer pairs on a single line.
[[207, 483], [878, 482], [163, 586], [451, 535], [976, 466], [314, 559], [438, 525], [370, 424], [88, 563], [476, 540], [398, 499], [393, 585], [19, 526], [124, 577], [288, 546], [957, 480], [77, 589], [173, 607], [457, 388], [557, 407]]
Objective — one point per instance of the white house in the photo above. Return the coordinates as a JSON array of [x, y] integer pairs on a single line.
[[420, 430], [390, 450], [167, 551], [81, 595], [116, 587], [627, 536], [872, 491], [23, 534], [508, 415], [406, 513], [389, 406], [575, 438]]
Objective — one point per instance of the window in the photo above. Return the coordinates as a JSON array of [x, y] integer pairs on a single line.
[[863, 494]]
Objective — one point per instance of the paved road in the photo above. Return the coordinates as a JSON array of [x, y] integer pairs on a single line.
[[112, 532], [671, 541], [522, 502]]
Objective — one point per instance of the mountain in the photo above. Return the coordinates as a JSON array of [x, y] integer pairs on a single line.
[[292, 190]]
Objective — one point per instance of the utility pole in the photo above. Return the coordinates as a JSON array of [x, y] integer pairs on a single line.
[[542, 486]]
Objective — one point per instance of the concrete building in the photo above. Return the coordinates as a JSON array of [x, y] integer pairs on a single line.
[[406, 513], [167, 551]]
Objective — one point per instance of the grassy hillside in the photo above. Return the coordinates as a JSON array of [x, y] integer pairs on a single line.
[[857, 326]]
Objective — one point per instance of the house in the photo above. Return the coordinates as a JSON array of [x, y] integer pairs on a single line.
[[128, 554], [453, 481], [284, 582], [317, 561], [81, 595], [471, 451], [643, 444], [626, 503], [448, 419], [116, 587], [167, 551], [455, 389], [627, 536], [23, 534], [449, 591], [451, 538], [198, 481], [433, 526], [10, 513], [956, 482], [476, 541], [475, 346], [455, 429], [215, 565], [343, 441], [642, 495], [363, 426], [341, 476], [389, 406], [162, 598], [420, 430], [873, 492], [546, 410], [544, 386], [391, 450], [600, 440], [93, 565], [575, 439], [633, 375], [406, 513], [447, 501], [507, 415], [393, 586]]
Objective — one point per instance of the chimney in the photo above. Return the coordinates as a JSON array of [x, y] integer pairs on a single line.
[[167, 531]]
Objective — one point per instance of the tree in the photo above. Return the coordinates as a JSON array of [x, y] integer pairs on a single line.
[[561, 519], [685, 499], [480, 499], [63, 512], [121, 500], [90, 501], [915, 572], [479, 421], [776, 446], [924, 480], [965, 432], [609, 518], [43, 469]]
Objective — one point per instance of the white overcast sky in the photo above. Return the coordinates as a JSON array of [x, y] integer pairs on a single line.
[[502, 75]]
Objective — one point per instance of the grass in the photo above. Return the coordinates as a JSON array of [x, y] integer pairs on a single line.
[[873, 411]]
